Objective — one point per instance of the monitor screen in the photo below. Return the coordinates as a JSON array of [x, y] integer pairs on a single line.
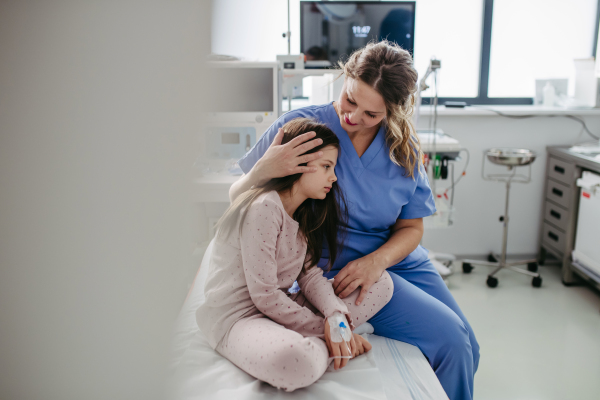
[[242, 89], [333, 30]]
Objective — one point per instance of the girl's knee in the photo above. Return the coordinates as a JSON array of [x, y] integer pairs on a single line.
[[386, 286], [299, 365]]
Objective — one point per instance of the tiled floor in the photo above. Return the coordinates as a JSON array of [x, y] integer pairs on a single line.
[[535, 343]]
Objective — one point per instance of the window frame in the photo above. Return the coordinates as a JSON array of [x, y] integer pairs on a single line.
[[484, 66]]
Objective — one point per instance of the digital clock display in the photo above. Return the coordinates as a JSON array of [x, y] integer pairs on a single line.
[[361, 31]]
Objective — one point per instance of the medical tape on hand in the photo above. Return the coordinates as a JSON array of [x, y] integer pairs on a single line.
[[339, 328], [340, 332]]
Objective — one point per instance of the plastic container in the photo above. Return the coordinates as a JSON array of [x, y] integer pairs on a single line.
[[587, 239], [444, 216], [549, 95]]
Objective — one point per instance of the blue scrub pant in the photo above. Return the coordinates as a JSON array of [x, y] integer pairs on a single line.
[[422, 312]]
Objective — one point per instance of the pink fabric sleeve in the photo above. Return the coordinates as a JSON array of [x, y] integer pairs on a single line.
[[258, 246], [319, 292]]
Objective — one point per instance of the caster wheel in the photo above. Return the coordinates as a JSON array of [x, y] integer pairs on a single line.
[[542, 258], [533, 267], [492, 281], [467, 268], [491, 258], [536, 281]]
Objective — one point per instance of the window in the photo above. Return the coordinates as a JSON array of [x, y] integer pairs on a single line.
[[491, 51], [450, 31], [531, 40]]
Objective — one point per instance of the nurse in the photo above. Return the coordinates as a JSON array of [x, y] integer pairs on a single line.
[[380, 172]]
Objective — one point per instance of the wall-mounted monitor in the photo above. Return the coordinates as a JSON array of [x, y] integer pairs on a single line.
[[330, 31], [243, 91]]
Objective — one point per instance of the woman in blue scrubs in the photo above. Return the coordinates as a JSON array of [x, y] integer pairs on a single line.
[[387, 193]]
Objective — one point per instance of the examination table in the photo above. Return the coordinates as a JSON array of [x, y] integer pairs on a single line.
[[391, 370]]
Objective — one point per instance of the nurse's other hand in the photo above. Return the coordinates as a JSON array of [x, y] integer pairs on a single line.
[[363, 272], [284, 160]]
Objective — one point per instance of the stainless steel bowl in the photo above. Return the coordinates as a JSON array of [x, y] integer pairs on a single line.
[[510, 157]]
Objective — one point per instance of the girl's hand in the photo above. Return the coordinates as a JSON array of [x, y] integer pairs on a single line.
[[339, 349], [362, 344], [283, 160], [363, 272]]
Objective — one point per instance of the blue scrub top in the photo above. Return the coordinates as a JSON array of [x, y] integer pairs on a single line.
[[377, 191]]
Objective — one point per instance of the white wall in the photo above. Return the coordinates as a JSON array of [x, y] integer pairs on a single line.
[[99, 108], [479, 203]]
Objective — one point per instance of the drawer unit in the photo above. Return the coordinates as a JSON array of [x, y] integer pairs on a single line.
[[561, 207], [553, 238], [561, 170], [556, 215], [558, 193]]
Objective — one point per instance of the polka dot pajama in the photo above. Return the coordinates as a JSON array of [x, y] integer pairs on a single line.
[[248, 315]]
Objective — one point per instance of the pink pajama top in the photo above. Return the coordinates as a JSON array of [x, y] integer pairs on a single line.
[[250, 273]]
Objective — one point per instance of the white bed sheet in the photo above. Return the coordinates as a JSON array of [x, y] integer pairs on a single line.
[[391, 370]]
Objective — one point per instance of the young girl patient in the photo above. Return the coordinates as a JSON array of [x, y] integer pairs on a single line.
[[270, 237]]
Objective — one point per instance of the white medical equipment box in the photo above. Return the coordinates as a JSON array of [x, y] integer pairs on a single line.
[[587, 239]]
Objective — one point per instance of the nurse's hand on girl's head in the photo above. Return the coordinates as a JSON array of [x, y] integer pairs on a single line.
[[283, 160]]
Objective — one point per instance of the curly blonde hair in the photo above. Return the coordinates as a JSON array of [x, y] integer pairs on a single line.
[[388, 69]]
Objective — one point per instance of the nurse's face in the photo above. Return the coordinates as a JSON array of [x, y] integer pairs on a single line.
[[316, 185], [360, 107]]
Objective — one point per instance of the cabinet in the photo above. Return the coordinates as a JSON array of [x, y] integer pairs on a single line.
[[560, 207]]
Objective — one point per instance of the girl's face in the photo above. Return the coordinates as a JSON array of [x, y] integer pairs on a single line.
[[316, 185], [360, 107]]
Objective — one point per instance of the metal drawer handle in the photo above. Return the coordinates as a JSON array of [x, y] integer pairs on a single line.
[[558, 169], [557, 192], [555, 214], [553, 236]]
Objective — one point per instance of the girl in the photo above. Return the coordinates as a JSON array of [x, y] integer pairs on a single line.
[[271, 236]]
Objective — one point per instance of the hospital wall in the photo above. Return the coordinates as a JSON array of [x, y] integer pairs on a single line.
[[479, 203], [99, 112]]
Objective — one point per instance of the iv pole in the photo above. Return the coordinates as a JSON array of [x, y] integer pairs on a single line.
[[434, 65]]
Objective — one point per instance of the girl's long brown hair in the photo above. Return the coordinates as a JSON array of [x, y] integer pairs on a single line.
[[319, 220]]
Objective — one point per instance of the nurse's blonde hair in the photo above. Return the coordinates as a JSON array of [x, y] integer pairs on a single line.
[[388, 69]]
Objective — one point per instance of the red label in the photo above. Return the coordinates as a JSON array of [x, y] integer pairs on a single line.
[[585, 194]]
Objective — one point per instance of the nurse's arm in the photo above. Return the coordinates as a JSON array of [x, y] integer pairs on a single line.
[[279, 161], [404, 239], [365, 271]]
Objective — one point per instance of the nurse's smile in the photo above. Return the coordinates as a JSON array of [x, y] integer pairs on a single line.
[[348, 121]]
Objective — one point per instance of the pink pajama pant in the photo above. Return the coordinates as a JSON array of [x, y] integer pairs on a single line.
[[284, 358]]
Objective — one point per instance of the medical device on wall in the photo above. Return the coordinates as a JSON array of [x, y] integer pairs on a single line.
[[291, 83], [440, 151], [245, 101], [330, 30], [244, 92], [434, 65], [229, 142]]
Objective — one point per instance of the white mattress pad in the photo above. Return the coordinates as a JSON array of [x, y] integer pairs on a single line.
[[391, 370]]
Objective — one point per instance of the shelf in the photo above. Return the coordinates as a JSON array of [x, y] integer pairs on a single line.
[[489, 111], [310, 72]]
